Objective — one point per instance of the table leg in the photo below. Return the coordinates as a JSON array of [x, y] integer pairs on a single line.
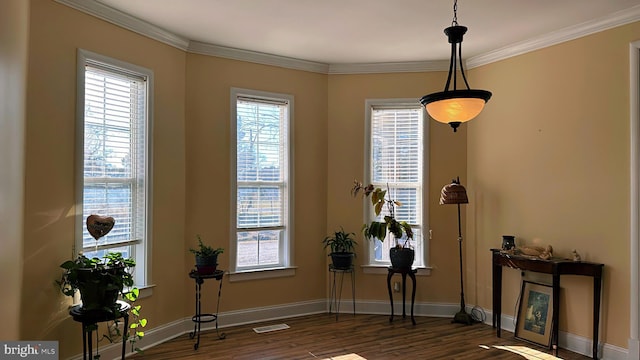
[[84, 342], [404, 293], [390, 294], [339, 294], [597, 287], [413, 295], [353, 290], [332, 299], [556, 313], [497, 297], [124, 334], [90, 343], [220, 336], [193, 333], [198, 314]]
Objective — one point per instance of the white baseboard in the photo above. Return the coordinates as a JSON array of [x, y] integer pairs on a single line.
[[634, 349], [163, 333]]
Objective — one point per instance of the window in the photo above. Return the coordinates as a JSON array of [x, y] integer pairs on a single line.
[[396, 161], [113, 168], [261, 127]]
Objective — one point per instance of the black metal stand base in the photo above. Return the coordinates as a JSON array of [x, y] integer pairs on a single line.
[[462, 317]]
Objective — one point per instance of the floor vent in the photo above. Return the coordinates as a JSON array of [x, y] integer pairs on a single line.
[[268, 328]]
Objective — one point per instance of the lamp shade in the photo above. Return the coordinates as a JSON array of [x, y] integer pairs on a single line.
[[453, 193], [456, 106]]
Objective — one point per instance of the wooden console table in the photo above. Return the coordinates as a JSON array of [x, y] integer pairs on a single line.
[[555, 267]]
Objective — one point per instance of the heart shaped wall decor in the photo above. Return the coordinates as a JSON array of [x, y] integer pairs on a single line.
[[99, 226]]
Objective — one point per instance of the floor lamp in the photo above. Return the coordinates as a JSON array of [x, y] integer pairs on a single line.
[[455, 193]]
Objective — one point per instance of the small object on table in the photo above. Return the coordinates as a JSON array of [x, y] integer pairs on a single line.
[[404, 272], [90, 319], [199, 317], [544, 253], [576, 256]]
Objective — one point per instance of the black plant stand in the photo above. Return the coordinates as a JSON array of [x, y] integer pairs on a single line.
[[90, 319], [336, 294], [404, 272], [199, 317]]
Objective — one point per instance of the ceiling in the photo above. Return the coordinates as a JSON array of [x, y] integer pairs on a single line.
[[371, 31]]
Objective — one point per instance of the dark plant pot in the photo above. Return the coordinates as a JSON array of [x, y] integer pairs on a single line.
[[98, 290], [342, 260], [401, 258], [206, 265]]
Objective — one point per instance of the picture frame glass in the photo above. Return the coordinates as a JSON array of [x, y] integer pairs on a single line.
[[535, 313]]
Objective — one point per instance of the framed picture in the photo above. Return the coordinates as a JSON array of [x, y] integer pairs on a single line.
[[535, 313]]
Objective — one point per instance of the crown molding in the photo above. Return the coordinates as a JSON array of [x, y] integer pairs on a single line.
[[197, 47], [127, 21], [569, 33], [389, 67], [142, 27]]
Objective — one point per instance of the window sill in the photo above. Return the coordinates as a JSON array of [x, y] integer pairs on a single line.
[[262, 274], [377, 269], [146, 291]]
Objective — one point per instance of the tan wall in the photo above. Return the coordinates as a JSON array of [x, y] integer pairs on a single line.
[[209, 81], [56, 33], [447, 153], [549, 163], [14, 29]]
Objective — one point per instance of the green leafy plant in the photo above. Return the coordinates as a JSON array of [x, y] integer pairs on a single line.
[[112, 272], [205, 250], [101, 282], [380, 229], [340, 242]]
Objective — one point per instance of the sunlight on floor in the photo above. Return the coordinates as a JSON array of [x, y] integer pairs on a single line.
[[351, 356], [526, 352]]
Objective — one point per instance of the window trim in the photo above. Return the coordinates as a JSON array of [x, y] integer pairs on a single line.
[[288, 244], [370, 104], [142, 273]]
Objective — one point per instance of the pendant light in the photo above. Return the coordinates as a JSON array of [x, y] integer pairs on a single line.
[[455, 106]]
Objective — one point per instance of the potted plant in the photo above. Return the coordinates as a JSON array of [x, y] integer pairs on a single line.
[[401, 255], [342, 247], [102, 281], [206, 257]]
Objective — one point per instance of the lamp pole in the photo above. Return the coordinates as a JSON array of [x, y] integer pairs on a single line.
[[461, 316]]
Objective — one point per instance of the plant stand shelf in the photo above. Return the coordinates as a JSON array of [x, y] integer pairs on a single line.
[[199, 317], [404, 272], [90, 319], [336, 293]]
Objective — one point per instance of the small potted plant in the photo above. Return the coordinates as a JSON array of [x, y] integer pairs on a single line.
[[206, 257], [401, 256], [342, 247]]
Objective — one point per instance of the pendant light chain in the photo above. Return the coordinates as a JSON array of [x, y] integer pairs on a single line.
[[455, 13]]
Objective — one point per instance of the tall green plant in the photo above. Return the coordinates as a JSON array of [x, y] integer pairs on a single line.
[[380, 229]]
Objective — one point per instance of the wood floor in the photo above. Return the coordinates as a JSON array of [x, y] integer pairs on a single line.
[[359, 337]]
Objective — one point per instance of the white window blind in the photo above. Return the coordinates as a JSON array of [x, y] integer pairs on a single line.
[[115, 158], [396, 163], [261, 182]]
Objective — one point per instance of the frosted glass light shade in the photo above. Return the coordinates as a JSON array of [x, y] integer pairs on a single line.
[[455, 106], [455, 110]]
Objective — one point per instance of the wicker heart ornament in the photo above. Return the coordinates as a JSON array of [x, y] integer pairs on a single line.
[[99, 226]]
